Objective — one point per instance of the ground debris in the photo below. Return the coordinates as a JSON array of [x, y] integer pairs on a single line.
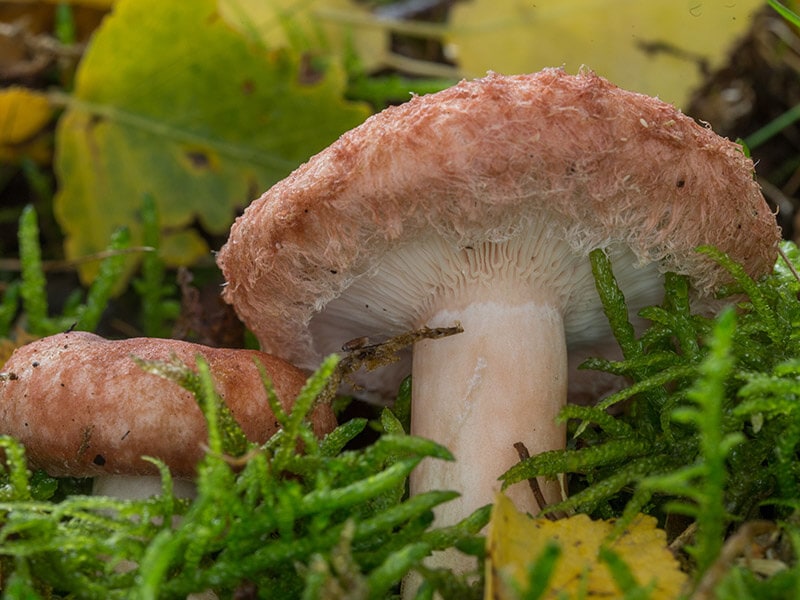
[[363, 352]]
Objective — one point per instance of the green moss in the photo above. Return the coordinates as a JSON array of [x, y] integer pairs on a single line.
[[708, 429]]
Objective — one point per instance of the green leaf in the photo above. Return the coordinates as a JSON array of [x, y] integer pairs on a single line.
[[172, 102]]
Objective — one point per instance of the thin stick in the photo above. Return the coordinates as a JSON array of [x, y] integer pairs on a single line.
[[789, 263], [14, 264], [533, 482]]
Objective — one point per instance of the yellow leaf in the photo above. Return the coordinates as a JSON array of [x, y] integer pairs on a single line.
[[325, 26], [8, 345], [184, 247], [657, 47], [24, 114], [515, 541]]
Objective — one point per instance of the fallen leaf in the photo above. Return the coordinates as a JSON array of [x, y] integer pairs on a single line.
[[171, 101], [24, 115], [321, 26], [515, 541], [8, 345], [656, 47]]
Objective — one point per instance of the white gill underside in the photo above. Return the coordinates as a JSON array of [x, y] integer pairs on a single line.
[[415, 279]]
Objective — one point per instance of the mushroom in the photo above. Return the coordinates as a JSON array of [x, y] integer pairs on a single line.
[[479, 205], [82, 407]]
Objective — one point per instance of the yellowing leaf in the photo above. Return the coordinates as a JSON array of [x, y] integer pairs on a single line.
[[186, 247], [515, 541], [328, 26], [654, 47], [24, 114], [8, 345], [171, 101]]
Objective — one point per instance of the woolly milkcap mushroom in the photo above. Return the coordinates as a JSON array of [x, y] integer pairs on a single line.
[[82, 407], [478, 205]]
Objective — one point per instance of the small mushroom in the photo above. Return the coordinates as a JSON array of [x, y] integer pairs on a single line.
[[83, 407], [479, 205]]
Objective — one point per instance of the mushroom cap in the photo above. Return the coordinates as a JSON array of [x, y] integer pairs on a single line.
[[82, 407], [575, 156]]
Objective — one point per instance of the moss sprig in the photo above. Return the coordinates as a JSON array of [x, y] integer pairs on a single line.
[[707, 429], [33, 285], [159, 307]]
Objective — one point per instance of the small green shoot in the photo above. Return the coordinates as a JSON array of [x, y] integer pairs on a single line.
[[29, 293], [159, 306], [33, 289]]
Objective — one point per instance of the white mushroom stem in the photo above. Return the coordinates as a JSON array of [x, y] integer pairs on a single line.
[[139, 486], [502, 381]]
